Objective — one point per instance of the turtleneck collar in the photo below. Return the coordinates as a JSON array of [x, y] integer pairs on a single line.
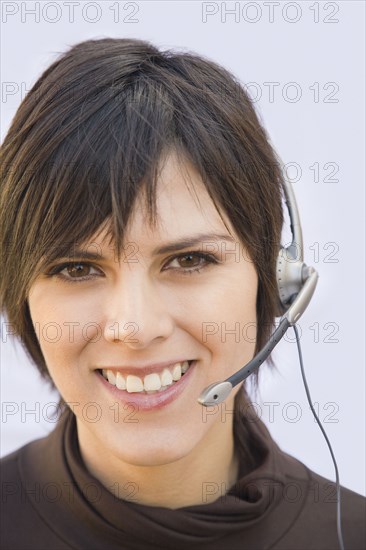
[[86, 510]]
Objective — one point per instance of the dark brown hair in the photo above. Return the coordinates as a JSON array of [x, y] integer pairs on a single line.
[[90, 134]]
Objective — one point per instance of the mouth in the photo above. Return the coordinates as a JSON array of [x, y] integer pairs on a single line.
[[153, 383]]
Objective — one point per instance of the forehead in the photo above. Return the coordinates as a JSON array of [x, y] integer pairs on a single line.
[[184, 207]]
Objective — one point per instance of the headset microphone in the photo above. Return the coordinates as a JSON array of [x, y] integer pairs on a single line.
[[296, 283]]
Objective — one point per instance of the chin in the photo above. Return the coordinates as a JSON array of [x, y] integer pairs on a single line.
[[154, 455]]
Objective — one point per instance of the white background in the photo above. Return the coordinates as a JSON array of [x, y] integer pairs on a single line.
[[319, 118]]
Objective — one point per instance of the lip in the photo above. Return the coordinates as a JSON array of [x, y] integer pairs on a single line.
[[142, 370], [154, 401]]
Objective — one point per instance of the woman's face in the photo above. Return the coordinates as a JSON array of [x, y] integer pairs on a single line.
[[153, 306]]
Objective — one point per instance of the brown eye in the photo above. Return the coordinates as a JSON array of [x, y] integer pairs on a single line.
[[75, 272], [78, 270], [189, 260]]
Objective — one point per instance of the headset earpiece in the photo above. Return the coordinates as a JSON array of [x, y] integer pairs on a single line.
[[291, 273]]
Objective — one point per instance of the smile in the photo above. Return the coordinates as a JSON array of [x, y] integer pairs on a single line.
[[151, 383]]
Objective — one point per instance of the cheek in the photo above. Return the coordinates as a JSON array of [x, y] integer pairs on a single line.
[[224, 313], [64, 325]]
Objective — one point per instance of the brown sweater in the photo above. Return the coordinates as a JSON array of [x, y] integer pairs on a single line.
[[51, 502]]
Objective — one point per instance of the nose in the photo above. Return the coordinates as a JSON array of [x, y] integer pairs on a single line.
[[136, 313]]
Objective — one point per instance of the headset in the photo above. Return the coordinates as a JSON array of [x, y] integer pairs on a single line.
[[296, 283]]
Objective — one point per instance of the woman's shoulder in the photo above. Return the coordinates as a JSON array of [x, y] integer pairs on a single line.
[[11, 466], [21, 469], [319, 510], [323, 492], [310, 500], [20, 495]]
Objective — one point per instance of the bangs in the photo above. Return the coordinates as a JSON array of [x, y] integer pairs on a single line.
[[108, 147], [92, 178]]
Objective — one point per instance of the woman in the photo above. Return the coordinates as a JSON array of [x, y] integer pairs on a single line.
[[142, 208]]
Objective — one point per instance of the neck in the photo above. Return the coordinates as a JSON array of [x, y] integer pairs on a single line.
[[200, 477]]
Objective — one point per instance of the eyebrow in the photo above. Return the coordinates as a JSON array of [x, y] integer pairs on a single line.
[[184, 242], [187, 242]]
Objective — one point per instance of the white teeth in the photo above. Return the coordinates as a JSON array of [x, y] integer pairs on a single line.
[[177, 371], [111, 377], [152, 383], [134, 384], [185, 366], [166, 378], [120, 381]]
